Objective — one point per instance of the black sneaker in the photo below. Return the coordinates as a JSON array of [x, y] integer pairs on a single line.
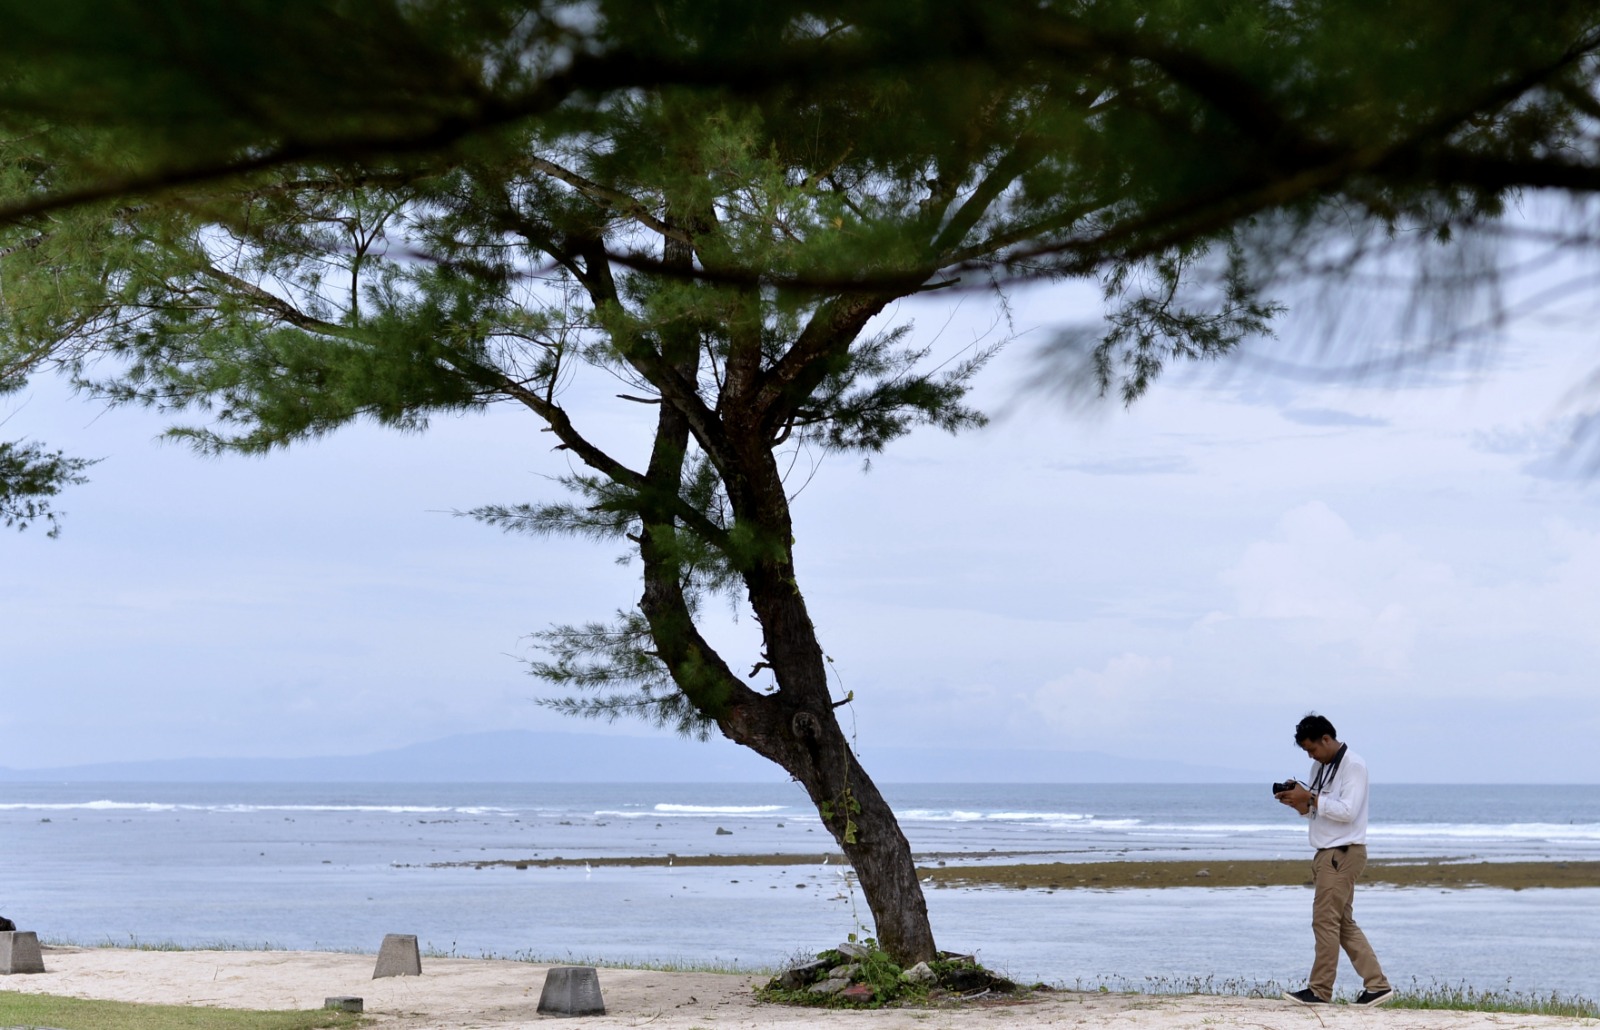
[[1305, 997], [1382, 997]]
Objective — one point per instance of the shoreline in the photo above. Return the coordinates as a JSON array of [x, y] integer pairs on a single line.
[[1126, 874]]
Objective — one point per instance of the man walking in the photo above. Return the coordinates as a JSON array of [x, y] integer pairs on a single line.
[[1336, 805]]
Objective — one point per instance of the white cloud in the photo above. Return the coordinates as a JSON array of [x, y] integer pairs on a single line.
[[1136, 465], [1087, 702], [1331, 417], [1561, 598], [1482, 624], [1328, 586], [1560, 448]]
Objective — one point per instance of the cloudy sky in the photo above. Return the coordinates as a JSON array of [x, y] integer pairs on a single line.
[[1417, 557]]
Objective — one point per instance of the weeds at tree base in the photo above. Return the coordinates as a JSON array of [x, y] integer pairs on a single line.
[[955, 979]]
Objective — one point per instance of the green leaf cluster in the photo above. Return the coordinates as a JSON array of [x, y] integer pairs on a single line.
[[273, 221], [29, 477]]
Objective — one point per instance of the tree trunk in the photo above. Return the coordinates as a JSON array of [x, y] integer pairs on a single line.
[[810, 745], [795, 726]]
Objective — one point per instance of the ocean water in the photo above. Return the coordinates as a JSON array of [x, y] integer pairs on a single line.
[[340, 865]]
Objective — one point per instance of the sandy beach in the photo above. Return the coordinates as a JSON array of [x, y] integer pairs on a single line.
[[477, 994]]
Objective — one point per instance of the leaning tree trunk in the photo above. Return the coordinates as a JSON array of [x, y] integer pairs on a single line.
[[794, 726], [809, 744]]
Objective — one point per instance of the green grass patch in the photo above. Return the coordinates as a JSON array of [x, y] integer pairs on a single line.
[[1437, 996], [1461, 998], [656, 965], [135, 944], [83, 1014], [731, 967], [659, 965]]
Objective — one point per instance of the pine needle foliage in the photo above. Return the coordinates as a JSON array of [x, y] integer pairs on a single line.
[[30, 477], [694, 218]]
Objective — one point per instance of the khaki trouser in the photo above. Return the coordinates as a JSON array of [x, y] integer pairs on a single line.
[[1334, 924]]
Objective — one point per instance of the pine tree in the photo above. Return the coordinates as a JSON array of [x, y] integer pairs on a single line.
[[285, 219]]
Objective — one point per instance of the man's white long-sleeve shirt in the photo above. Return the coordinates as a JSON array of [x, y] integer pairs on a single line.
[[1340, 815]]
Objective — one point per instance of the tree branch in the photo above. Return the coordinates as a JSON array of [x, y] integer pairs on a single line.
[[271, 302], [609, 198]]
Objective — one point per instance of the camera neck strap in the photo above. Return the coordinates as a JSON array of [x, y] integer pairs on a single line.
[[1325, 773]]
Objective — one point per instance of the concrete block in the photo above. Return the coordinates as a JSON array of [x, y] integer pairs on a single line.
[[19, 952], [398, 956], [571, 991], [343, 1003]]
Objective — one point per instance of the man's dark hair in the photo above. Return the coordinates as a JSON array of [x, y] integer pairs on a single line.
[[1314, 727]]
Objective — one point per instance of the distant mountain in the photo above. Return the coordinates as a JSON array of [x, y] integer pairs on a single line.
[[522, 756]]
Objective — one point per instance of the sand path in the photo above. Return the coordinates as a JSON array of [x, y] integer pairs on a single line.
[[484, 994]]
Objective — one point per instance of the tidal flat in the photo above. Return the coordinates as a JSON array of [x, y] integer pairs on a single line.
[[1264, 873], [1402, 872]]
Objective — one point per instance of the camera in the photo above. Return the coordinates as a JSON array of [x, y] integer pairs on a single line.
[[1289, 784]]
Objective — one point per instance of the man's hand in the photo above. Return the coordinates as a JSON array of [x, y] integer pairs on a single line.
[[1297, 798]]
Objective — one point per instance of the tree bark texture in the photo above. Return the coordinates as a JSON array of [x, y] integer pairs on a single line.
[[795, 726], [810, 745]]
